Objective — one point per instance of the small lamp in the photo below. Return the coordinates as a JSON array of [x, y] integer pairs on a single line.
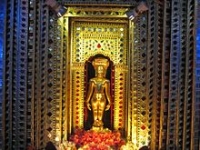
[[57, 8], [132, 13]]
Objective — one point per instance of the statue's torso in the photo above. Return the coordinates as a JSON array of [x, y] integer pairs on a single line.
[[99, 89]]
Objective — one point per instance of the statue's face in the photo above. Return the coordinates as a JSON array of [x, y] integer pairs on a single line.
[[100, 70]]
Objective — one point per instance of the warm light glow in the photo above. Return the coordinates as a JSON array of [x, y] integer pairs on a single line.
[[144, 141], [139, 139], [49, 135], [134, 141], [57, 139]]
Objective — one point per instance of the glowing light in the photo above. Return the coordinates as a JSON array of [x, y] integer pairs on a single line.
[[57, 139], [49, 135], [134, 141]]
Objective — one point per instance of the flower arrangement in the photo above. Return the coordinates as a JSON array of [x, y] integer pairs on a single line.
[[97, 140]]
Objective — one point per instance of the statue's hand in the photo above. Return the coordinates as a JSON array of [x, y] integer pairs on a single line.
[[89, 106], [107, 107]]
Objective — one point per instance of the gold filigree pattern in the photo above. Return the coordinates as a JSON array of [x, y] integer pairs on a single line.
[[78, 98], [99, 38], [96, 11], [90, 39]]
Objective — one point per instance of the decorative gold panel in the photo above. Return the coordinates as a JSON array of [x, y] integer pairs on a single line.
[[90, 38]]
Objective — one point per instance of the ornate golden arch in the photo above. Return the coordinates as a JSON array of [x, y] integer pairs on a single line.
[[87, 33], [89, 38]]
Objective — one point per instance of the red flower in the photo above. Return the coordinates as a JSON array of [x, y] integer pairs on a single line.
[[90, 138]]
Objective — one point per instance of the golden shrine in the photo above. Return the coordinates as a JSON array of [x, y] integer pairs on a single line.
[[107, 36], [99, 74]]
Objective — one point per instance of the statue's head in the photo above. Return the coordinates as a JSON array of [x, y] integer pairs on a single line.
[[100, 65]]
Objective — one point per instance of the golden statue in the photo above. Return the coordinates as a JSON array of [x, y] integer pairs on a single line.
[[99, 92]]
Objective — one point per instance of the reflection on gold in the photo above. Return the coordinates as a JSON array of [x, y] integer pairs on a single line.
[[99, 92]]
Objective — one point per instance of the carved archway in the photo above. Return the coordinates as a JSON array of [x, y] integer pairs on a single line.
[[89, 38]]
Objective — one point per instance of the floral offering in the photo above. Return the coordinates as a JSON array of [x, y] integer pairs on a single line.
[[97, 140]]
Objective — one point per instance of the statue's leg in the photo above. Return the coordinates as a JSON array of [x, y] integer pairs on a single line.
[[101, 112], [95, 112]]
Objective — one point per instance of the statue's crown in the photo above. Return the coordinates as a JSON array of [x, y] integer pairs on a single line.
[[100, 62]]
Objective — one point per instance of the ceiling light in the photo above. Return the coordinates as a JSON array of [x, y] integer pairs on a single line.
[[56, 7]]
